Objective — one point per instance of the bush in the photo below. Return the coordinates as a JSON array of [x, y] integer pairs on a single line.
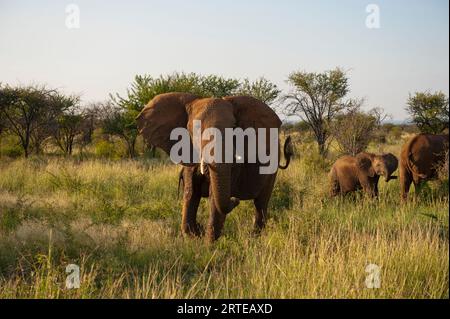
[[354, 129], [10, 147], [106, 149], [396, 133], [310, 157]]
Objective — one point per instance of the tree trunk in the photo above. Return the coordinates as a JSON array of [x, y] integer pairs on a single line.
[[322, 147], [131, 144], [25, 147]]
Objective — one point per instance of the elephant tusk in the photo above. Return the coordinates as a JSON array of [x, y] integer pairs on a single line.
[[202, 166]]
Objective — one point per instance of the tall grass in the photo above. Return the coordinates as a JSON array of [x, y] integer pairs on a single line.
[[119, 221]]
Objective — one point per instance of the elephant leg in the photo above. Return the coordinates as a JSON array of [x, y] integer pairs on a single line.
[[216, 221], [261, 204], [189, 224], [260, 214], [405, 183], [335, 187], [368, 188], [376, 190], [191, 201], [418, 185]]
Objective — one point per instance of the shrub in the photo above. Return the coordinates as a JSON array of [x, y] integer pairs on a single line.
[[10, 147], [396, 133], [354, 129], [106, 149]]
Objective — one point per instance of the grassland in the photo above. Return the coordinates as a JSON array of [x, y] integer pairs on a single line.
[[120, 222]]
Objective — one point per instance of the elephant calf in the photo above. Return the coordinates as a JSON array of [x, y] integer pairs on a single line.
[[350, 173]]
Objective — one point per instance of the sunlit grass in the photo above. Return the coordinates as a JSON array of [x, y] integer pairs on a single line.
[[119, 221]]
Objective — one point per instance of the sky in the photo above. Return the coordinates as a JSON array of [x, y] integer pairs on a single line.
[[116, 40]]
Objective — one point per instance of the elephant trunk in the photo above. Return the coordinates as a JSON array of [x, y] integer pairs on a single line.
[[220, 176], [391, 166]]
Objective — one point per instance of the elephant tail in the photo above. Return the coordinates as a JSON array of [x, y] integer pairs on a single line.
[[180, 181], [288, 152]]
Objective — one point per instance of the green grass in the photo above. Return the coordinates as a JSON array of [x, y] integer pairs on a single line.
[[120, 222]]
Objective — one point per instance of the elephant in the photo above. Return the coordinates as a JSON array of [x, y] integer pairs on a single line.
[[224, 183], [419, 159], [351, 173]]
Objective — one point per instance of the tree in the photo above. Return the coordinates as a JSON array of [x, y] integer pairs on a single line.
[[121, 123], [354, 129], [144, 88], [215, 86], [261, 89], [317, 98], [92, 118], [429, 111], [28, 113], [68, 124]]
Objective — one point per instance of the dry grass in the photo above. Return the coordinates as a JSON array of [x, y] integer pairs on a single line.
[[119, 221]]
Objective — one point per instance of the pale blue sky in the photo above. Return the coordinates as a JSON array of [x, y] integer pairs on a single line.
[[250, 38]]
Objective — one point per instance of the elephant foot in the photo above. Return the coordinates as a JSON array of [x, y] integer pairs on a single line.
[[258, 225], [193, 230], [215, 226]]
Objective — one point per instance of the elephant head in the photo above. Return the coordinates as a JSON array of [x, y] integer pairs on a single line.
[[168, 111], [381, 165]]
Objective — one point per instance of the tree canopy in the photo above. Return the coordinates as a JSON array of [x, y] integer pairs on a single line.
[[145, 87], [429, 111], [317, 98]]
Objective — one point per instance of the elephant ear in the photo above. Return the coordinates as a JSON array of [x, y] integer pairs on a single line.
[[251, 112], [391, 164], [161, 115], [364, 163]]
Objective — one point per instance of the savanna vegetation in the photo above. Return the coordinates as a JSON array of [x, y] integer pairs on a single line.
[[79, 186]]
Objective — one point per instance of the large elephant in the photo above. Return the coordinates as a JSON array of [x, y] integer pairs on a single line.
[[227, 183], [351, 173], [419, 160]]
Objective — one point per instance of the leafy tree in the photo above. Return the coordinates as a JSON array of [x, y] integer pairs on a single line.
[[144, 88], [29, 113], [68, 124], [317, 98], [354, 129], [215, 86], [261, 89], [429, 111], [121, 123], [92, 118]]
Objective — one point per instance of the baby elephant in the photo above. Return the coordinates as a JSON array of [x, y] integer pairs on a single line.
[[350, 173]]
